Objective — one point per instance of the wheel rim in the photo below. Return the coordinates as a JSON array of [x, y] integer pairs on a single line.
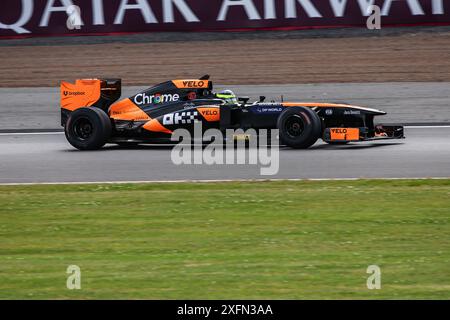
[[83, 129], [294, 126]]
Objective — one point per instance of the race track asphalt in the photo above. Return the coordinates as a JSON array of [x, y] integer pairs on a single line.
[[29, 158]]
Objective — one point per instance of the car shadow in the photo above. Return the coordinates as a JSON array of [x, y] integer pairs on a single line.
[[140, 147], [117, 147], [355, 146]]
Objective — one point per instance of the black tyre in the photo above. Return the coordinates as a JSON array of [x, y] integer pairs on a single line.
[[88, 128], [299, 127]]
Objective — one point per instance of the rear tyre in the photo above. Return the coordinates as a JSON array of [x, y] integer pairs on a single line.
[[88, 128], [299, 127]]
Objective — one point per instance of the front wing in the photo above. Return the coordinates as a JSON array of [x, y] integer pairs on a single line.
[[381, 132]]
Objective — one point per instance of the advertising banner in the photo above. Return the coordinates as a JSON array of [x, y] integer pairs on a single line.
[[24, 18]]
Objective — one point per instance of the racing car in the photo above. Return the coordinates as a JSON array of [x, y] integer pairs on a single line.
[[92, 115]]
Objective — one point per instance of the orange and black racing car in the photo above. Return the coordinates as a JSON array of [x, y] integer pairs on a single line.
[[92, 115]]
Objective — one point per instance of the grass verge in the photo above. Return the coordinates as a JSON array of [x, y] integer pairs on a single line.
[[255, 240]]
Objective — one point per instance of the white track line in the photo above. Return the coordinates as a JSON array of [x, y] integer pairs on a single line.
[[212, 181], [28, 133], [425, 127]]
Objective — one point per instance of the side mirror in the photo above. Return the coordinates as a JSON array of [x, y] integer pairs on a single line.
[[243, 99], [262, 98]]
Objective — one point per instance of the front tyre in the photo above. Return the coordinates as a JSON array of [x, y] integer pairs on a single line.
[[88, 128], [299, 127]]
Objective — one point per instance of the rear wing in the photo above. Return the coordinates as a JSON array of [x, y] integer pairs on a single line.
[[100, 93]]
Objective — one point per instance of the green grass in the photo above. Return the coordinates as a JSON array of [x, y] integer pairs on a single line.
[[256, 240]]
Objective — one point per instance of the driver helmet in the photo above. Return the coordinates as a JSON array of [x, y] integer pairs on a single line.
[[228, 96]]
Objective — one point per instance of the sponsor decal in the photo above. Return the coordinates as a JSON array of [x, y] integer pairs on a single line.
[[191, 96], [344, 131], [135, 118], [193, 84], [180, 118], [269, 104], [348, 134], [188, 105], [242, 137], [267, 108], [350, 112], [74, 93], [143, 98], [210, 112], [329, 112]]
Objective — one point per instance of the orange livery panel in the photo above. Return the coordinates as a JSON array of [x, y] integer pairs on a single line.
[[210, 114], [345, 134], [127, 110], [83, 93], [155, 126], [191, 84]]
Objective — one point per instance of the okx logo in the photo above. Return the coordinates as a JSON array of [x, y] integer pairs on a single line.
[[180, 118]]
